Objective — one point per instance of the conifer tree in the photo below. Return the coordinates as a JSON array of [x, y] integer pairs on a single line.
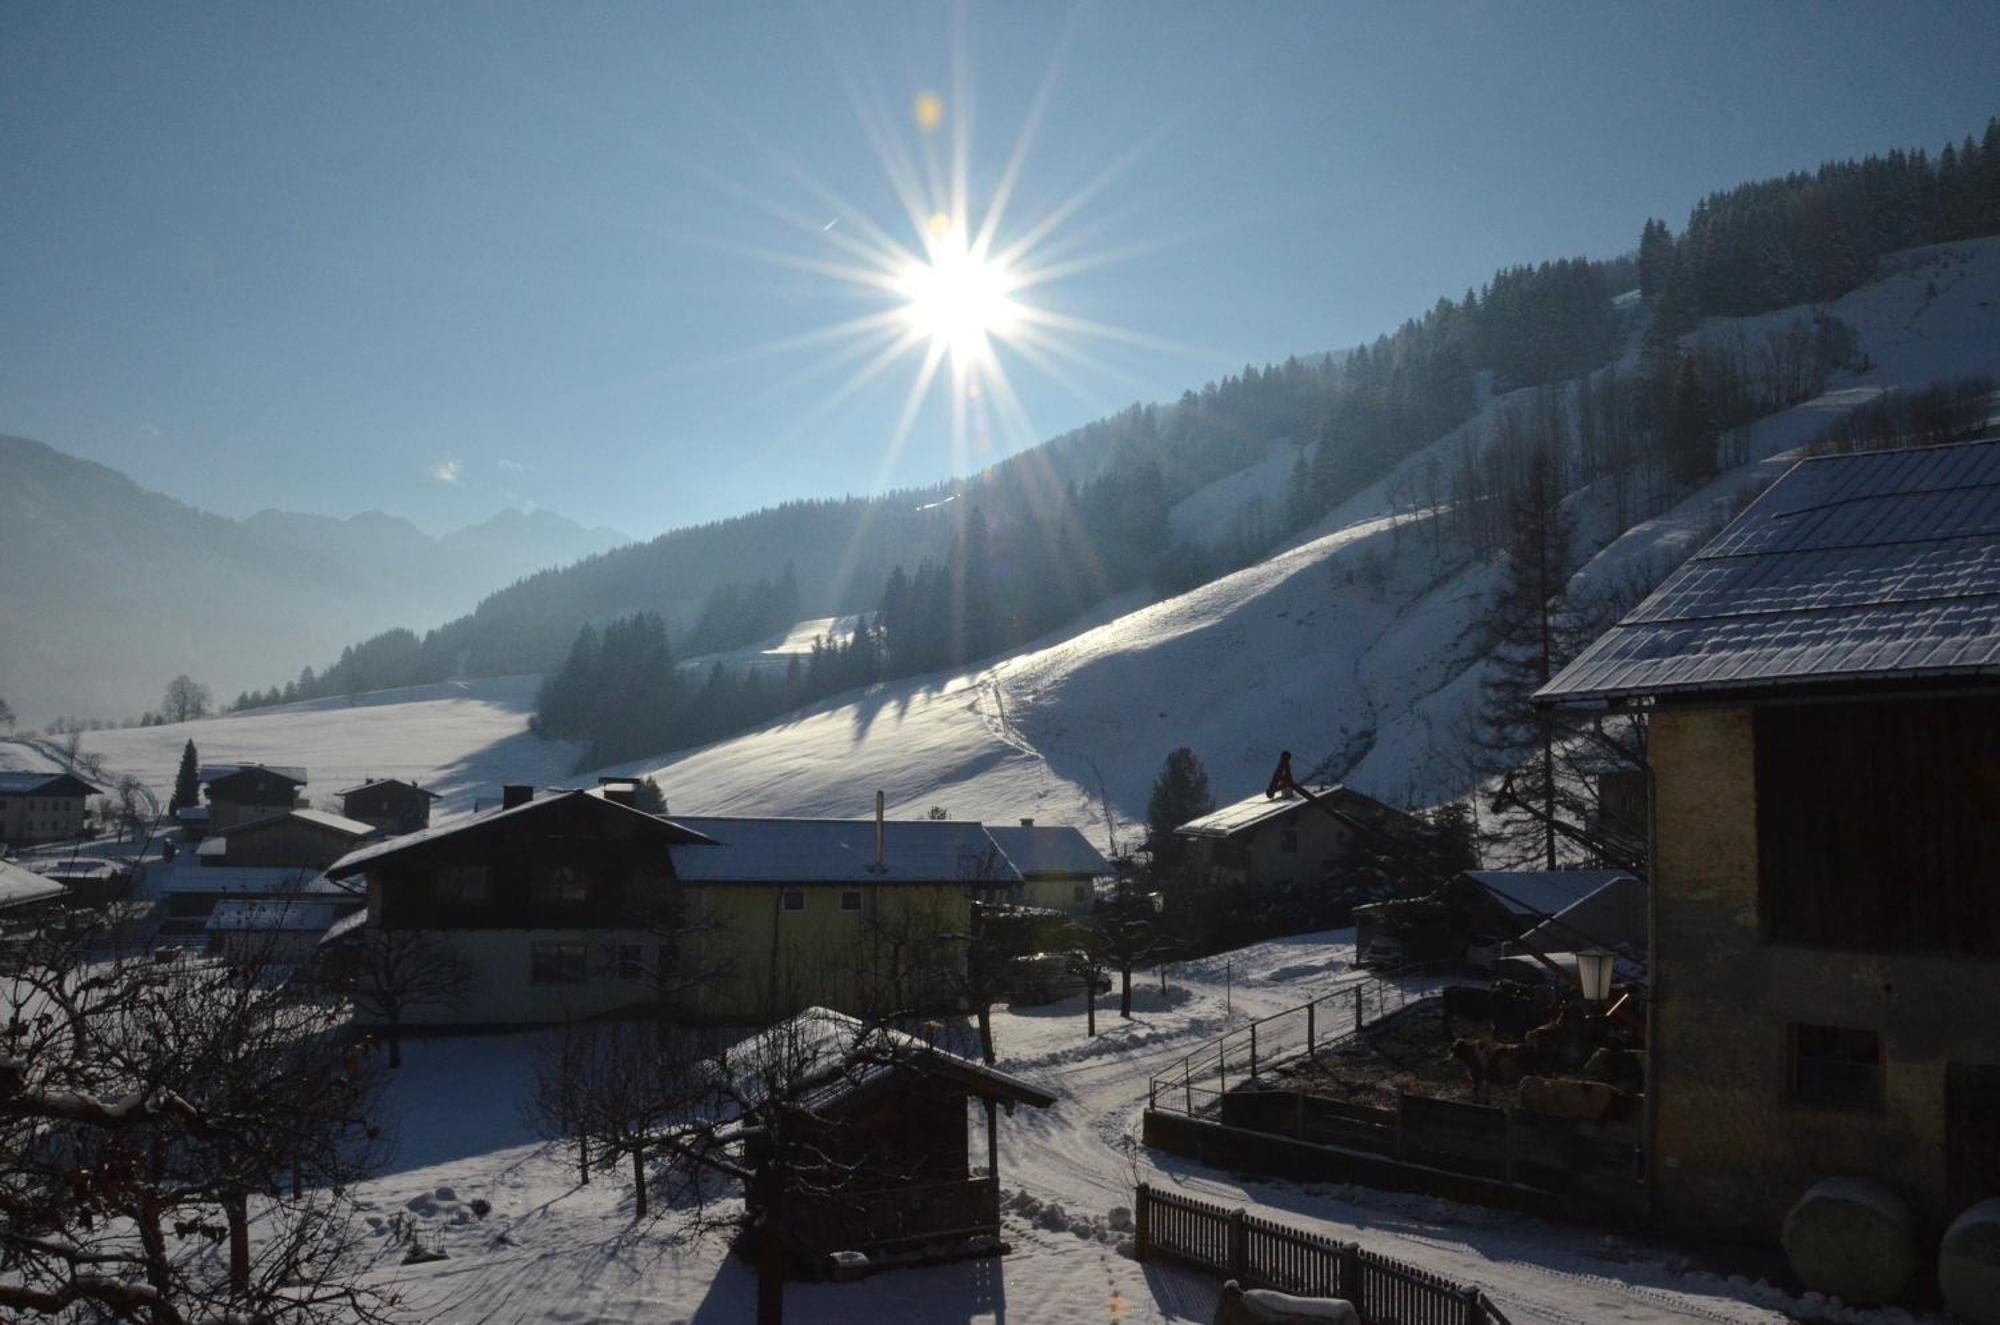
[[1180, 793], [187, 784]]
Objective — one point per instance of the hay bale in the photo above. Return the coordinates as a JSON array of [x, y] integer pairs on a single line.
[[1969, 1264], [1853, 1239]]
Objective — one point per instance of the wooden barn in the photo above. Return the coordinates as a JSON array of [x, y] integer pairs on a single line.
[[240, 793], [1823, 683], [293, 839], [390, 804]]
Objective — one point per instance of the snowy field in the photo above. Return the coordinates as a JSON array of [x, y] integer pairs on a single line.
[[551, 1250], [1347, 648]]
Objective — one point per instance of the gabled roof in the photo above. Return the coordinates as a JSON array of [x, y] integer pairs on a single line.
[[19, 887], [1852, 569], [14, 782], [291, 773], [1249, 812], [1050, 852], [1540, 893], [805, 851], [338, 823], [669, 832], [826, 1056], [373, 783]]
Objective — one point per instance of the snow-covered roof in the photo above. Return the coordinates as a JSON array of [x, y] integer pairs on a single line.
[[344, 926], [339, 823], [213, 847], [1541, 893], [289, 772], [1050, 852], [804, 851], [386, 782], [273, 917], [1880, 566], [1613, 915], [196, 878], [19, 887], [374, 853], [17, 782], [824, 1056], [192, 814], [1249, 812], [77, 869]]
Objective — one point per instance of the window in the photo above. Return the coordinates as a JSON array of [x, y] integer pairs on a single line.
[[1835, 1065], [1288, 841], [793, 899], [462, 885], [1080, 894], [851, 900], [557, 964], [558, 885], [631, 964]]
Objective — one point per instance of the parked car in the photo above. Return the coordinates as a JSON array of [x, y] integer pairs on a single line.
[[1045, 977], [1382, 951]]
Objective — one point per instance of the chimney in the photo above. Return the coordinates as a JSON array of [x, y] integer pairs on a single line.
[[880, 866], [622, 791], [1027, 823], [515, 793]]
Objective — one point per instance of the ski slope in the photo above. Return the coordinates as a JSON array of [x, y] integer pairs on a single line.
[[1355, 648]]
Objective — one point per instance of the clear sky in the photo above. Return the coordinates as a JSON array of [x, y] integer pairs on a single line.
[[441, 258]]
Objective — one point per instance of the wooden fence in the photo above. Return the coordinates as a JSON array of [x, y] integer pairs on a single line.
[[1260, 1252]]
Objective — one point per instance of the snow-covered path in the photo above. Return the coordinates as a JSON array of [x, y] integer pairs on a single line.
[[553, 1251]]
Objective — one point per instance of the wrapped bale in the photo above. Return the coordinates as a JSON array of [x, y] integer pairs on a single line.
[[1969, 1265], [1852, 1239]]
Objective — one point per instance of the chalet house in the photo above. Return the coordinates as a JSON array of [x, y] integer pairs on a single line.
[[1823, 688], [1059, 868], [390, 804], [41, 807], [278, 931], [889, 1110], [867, 915], [239, 793], [575, 904], [561, 905], [1283, 841], [307, 840], [187, 893]]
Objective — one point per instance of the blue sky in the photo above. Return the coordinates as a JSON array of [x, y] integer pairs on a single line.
[[441, 258]]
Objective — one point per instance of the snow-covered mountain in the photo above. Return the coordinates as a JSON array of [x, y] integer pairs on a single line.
[[1355, 647], [110, 589]]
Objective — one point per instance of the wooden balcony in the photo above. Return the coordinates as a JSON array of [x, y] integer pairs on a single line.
[[894, 1218]]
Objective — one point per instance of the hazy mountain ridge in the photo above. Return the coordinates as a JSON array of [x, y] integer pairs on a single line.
[[110, 588]]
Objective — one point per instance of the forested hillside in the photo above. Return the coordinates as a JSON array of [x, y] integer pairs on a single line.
[[970, 570]]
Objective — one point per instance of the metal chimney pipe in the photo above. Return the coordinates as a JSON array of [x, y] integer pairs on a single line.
[[881, 802]]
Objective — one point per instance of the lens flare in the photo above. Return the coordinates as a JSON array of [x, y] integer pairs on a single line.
[[958, 299]]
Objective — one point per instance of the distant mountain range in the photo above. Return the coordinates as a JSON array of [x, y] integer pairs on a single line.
[[108, 590]]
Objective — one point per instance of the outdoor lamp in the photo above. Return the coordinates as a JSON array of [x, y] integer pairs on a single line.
[[1594, 968]]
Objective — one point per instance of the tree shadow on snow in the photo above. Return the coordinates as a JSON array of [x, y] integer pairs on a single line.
[[963, 1291]]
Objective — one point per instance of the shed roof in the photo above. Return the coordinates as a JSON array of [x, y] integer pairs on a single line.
[[1540, 893], [19, 887], [338, 823], [827, 1055], [1039, 851], [805, 851], [1866, 568]]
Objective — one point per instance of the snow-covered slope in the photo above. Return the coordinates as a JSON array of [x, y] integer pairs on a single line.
[[462, 739], [1355, 648]]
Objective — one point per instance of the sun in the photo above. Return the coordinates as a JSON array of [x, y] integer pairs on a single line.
[[959, 299]]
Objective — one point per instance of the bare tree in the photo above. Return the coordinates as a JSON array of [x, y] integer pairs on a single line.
[[614, 1087], [385, 973], [186, 699], [150, 1110], [132, 807], [6, 715]]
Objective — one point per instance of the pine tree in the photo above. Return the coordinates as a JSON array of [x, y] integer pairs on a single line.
[[1180, 793], [187, 782]]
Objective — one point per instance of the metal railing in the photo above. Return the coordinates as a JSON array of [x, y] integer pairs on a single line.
[[1195, 1084]]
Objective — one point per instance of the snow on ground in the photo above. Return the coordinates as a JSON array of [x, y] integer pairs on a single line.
[[550, 1250], [1253, 496], [1351, 648], [462, 739]]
